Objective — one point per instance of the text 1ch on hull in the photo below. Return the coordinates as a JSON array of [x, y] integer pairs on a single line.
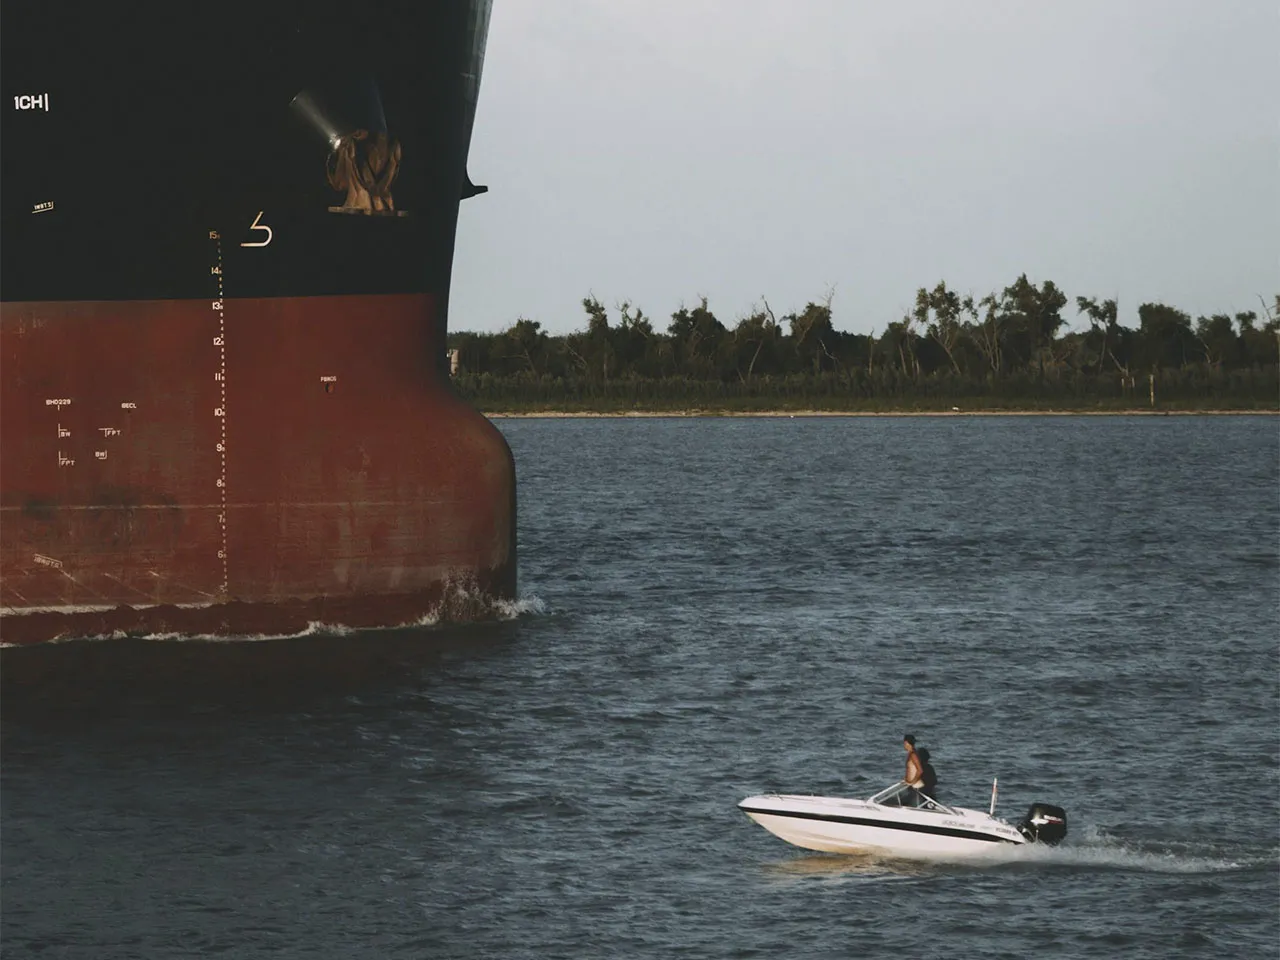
[[226, 246]]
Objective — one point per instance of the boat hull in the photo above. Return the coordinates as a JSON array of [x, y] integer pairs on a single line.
[[327, 475], [226, 261], [851, 827]]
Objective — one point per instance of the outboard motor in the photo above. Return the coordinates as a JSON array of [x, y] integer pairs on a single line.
[[1044, 823]]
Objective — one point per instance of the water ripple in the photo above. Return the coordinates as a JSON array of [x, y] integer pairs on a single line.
[[1086, 608]]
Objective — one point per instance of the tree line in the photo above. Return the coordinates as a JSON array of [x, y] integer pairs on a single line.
[[1012, 348]]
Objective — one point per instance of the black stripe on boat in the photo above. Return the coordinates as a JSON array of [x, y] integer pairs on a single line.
[[886, 824]]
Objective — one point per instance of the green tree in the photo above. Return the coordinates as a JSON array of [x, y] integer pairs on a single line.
[[1103, 324], [1031, 318], [593, 350], [528, 342], [1217, 338], [988, 334], [1167, 340], [1259, 346], [899, 340], [1008, 348], [757, 338], [697, 339], [634, 342], [812, 336], [942, 312]]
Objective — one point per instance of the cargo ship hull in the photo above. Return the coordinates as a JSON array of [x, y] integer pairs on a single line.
[[223, 403]]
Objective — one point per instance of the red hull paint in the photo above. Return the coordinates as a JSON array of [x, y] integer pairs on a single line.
[[311, 466]]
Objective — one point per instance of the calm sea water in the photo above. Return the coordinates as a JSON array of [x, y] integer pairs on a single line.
[[1087, 608]]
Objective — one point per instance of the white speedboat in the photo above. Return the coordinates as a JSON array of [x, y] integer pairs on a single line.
[[885, 823]]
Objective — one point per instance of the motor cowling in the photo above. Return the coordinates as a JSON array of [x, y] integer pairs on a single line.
[[1044, 823]]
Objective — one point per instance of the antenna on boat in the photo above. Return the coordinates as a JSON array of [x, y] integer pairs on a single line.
[[994, 781]]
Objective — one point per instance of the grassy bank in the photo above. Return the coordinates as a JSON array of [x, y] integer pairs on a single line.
[[831, 406], [623, 414], [1255, 390]]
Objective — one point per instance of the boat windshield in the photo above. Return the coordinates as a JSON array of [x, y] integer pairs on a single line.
[[900, 795]]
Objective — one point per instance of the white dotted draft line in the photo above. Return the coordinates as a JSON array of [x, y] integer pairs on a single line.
[[222, 403]]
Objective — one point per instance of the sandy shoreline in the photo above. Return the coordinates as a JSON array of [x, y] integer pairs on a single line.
[[793, 414]]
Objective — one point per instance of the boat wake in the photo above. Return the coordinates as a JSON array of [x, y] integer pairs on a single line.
[[1095, 849], [1092, 850]]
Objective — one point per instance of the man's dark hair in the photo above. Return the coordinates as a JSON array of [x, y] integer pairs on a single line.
[[909, 738]]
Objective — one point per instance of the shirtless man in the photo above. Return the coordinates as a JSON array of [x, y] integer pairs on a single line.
[[914, 777]]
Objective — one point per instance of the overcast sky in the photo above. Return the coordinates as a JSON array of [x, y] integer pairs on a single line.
[[659, 150]]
